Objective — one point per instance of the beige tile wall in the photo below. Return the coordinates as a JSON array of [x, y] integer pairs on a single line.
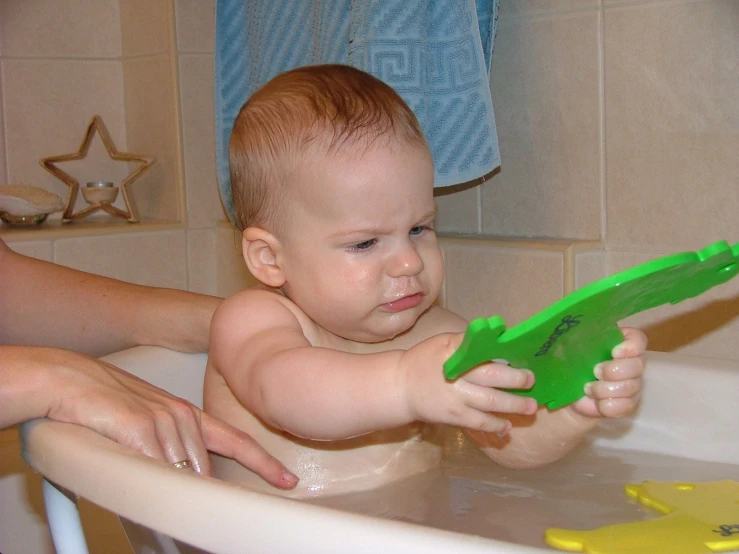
[[48, 105], [152, 127], [151, 104], [63, 62], [480, 275], [215, 262], [3, 169], [546, 90], [672, 124], [619, 122]]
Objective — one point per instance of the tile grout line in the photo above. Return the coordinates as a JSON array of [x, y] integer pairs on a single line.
[[3, 107], [602, 116]]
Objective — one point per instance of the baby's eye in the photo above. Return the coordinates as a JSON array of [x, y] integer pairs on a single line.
[[365, 245], [418, 229]]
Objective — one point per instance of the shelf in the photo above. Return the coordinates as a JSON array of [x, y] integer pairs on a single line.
[[54, 229]]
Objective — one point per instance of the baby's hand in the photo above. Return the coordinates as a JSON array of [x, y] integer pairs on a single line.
[[469, 400], [617, 391]]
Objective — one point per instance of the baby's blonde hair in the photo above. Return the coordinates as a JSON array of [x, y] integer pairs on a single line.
[[319, 105]]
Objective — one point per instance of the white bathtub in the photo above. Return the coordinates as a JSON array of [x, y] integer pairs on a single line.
[[687, 420]]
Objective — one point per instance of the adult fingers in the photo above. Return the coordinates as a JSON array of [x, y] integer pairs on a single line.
[[176, 421], [178, 431], [137, 430], [228, 441], [126, 409]]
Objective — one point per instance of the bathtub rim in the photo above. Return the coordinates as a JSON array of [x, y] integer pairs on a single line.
[[54, 449]]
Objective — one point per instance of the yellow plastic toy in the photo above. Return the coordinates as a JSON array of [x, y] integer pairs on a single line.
[[701, 517]]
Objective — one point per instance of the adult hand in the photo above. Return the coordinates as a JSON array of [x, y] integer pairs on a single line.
[[75, 388]]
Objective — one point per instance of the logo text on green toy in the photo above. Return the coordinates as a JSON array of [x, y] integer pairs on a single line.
[[567, 324]]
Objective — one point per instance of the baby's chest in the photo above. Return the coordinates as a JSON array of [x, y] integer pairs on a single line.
[[339, 467]]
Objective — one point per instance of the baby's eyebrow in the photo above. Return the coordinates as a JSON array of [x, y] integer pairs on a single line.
[[359, 232], [430, 215], [373, 231]]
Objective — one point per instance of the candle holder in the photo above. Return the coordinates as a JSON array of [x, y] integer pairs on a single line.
[[100, 195]]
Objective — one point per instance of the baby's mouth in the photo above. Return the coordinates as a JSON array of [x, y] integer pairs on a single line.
[[404, 303]]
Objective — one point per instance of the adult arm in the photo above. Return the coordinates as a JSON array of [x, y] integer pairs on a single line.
[[74, 388], [45, 304]]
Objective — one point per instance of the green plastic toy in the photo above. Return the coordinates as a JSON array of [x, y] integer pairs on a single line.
[[563, 343]]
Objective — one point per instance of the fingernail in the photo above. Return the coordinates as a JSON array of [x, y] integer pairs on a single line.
[[619, 351], [598, 371], [589, 390], [289, 477]]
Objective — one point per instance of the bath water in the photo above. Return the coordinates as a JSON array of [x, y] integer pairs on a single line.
[[470, 494]]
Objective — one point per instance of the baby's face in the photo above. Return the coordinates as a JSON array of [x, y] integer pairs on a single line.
[[360, 255]]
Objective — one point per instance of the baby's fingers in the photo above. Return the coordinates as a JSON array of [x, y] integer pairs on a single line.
[[601, 390], [484, 422], [634, 344], [500, 376], [487, 399], [607, 407], [620, 370]]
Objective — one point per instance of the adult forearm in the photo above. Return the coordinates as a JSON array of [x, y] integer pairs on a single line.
[[25, 385], [46, 304], [174, 319]]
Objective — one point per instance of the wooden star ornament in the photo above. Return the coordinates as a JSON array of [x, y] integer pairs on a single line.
[[97, 126]]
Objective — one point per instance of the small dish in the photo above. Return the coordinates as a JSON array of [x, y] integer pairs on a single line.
[[24, 205], [23, 220]]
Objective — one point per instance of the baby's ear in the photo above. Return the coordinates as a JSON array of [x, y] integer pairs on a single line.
[[260, 249]]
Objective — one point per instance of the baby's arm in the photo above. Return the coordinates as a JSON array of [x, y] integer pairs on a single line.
[[547, 436], [259, 346]]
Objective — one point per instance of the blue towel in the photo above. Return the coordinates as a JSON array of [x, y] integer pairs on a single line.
[[435, 53]]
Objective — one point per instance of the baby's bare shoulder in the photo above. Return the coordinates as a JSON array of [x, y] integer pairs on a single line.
[[254, 311], [266, 305]]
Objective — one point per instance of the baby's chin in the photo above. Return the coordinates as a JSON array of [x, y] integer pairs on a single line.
[[377, 335], [367, 337]]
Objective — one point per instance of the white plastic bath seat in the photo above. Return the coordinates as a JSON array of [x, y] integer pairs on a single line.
[[686, 412]]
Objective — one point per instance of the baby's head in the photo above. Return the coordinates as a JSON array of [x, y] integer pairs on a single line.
[[333, 190], [302, 115]]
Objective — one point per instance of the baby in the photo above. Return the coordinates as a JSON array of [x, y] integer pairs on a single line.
[[334, 364]]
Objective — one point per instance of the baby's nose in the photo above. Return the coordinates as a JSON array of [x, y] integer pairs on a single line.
[[406, 261]]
